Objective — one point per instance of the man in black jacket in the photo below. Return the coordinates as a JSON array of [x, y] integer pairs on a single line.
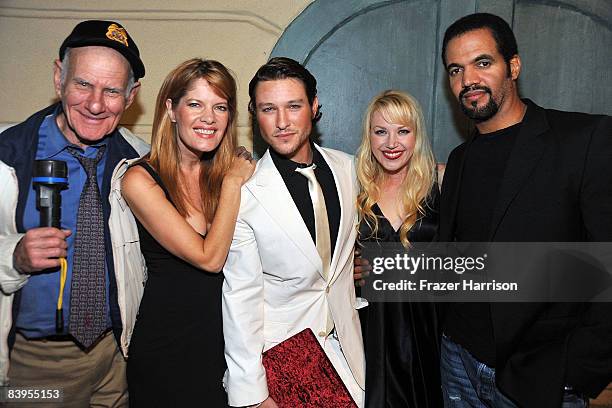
[[527, 175]]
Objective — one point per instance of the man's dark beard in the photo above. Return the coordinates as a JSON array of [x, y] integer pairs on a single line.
[[479, 114]]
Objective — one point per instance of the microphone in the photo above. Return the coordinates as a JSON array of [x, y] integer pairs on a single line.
[[50, 177]]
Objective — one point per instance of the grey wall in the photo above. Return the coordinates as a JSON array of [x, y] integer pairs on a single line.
[[358, 48]]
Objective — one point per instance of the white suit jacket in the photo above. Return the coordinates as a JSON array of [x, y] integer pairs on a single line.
[[274, 287]]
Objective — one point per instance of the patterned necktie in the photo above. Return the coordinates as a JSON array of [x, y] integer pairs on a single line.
[[323, 241], [88, 287]]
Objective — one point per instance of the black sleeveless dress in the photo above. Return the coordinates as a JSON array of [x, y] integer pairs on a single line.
[[176, 352], [401, 340]]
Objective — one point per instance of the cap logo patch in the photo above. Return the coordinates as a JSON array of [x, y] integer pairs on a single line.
[[117, 33]]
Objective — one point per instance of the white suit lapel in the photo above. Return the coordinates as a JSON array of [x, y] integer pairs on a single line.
[[268, 187]]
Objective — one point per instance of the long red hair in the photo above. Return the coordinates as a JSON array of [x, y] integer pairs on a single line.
[[165, 156]]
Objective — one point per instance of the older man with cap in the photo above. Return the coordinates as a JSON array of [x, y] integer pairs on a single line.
[[95, 79]]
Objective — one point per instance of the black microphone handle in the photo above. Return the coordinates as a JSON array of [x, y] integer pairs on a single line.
[[50, 205]]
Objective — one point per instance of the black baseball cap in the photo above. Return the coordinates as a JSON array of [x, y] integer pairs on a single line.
[[106, 34]]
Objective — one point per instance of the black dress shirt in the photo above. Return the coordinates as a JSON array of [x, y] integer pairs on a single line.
[[298, 188]]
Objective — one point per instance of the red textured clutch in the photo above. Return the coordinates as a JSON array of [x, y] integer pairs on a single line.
[[301, 375]]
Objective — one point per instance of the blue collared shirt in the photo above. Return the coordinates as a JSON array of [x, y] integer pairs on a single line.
[[36, 316]]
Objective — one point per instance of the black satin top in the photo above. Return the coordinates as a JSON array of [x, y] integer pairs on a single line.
[[402, 339]]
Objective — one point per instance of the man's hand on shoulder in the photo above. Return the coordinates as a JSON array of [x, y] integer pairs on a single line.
[[39, 249]]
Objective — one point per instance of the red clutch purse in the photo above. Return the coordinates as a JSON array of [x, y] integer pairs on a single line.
[[299, 374]]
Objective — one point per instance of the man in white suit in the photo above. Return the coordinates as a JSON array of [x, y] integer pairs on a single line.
[[290, 265]]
